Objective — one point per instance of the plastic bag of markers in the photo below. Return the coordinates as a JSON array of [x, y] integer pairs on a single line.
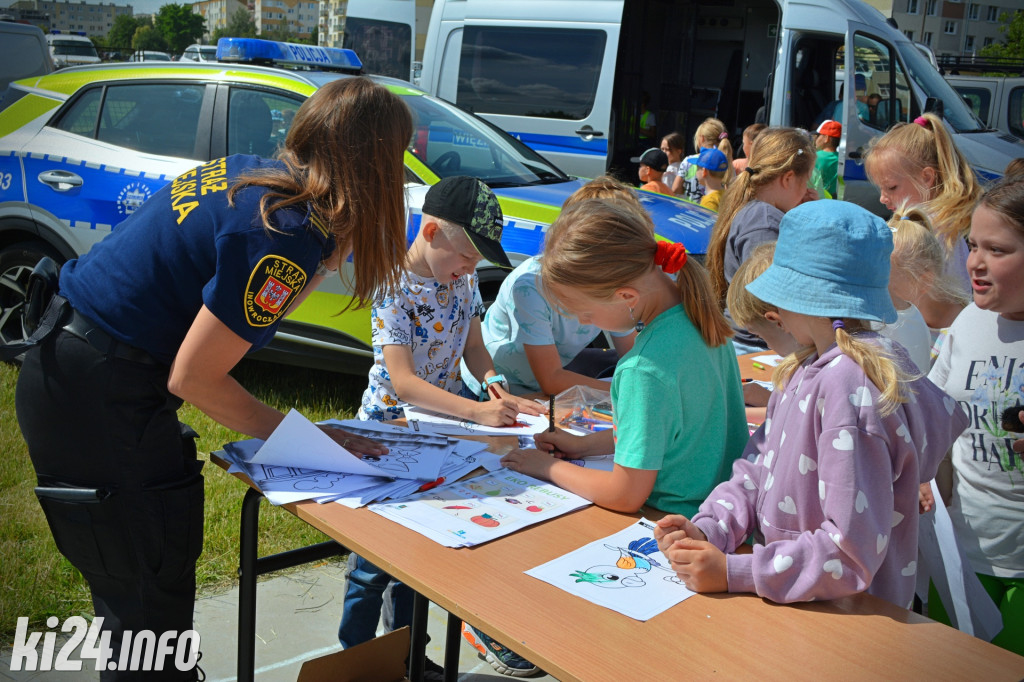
[[582, 408]]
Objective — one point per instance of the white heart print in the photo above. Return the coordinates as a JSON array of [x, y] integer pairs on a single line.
[[747, 483], [836, 361], [767, 426], [803, 403], [821, 406], [836, 538], [880, 542], [896, 518], [782, 562], [806, 464], [903, 432], [788, 505], [723, 525], [861, 397], [835, 567], [727, 505], [861, 503], [844, 441], [909, 570], [782, 440], [821, 489], [769, 481], [768, 459]]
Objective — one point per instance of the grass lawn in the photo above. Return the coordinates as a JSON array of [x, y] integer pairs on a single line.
[[36, 581]]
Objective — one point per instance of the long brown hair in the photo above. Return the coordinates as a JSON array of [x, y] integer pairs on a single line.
[[775, 152], [344, 156], [599, 246]]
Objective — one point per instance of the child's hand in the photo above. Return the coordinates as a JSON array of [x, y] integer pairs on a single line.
[[673, 527], [755, 395], [561, 444], [925, 499], [700, 565], [529, 406], [530, 462], [495, 412]]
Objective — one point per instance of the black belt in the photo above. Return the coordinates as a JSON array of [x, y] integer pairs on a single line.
[[87, 330]]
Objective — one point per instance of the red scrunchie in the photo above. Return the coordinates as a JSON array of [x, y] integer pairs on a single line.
[[923, 122], [671, 256]]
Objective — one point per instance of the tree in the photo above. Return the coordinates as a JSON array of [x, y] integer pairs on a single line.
[[179, 26], [148, 38], [240, 25], [123, 31], [1012, 46]]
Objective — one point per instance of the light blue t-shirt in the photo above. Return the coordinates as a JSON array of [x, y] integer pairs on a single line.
[[521, 315]]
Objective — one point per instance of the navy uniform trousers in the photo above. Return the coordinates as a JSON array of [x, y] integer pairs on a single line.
[[102, 428]]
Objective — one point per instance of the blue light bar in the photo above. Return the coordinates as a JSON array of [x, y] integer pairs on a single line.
[[259, 51]]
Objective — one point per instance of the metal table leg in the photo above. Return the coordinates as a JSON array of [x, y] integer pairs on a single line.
[[452, 643]]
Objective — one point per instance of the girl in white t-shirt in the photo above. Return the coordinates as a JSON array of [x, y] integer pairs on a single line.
[[674, 147], [981, 365]]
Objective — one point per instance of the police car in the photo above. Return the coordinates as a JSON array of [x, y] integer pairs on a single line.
[[82, 148]]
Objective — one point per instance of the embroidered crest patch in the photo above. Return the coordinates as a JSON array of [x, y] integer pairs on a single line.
[[273, 285]]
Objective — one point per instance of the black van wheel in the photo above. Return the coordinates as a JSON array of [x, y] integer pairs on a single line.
[[16, 263]]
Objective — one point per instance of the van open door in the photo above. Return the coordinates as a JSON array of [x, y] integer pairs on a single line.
[[383, 34]]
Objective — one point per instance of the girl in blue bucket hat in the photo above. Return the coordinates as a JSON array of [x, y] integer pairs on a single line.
[[828, 486]]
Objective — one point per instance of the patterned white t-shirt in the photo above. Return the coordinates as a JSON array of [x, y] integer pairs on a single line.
[[433, 319]]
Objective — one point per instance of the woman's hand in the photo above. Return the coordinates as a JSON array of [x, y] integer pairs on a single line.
[[357, 445], [530, 462]]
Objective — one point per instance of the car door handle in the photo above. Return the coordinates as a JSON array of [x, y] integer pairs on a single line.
[[587, 130], [60, 180]]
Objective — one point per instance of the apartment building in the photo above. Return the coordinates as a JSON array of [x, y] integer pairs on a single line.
[[95, 19]]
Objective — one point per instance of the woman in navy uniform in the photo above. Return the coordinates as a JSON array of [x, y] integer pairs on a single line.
[[162, 309]]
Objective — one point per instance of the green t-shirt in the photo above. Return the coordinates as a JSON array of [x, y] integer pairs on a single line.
[[828, 165], [678, 408]]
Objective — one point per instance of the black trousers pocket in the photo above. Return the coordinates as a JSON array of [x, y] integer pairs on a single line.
[[170, 526], [89, 530]]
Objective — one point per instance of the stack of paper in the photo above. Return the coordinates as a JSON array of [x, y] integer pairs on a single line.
[[472, 512], [301, 462], [624, 572]]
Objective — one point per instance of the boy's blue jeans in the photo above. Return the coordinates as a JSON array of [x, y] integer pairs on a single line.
[[365, 601]]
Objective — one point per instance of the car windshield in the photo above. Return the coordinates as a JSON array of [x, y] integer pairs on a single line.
[[75, 48], [956, 111], [452, 142]]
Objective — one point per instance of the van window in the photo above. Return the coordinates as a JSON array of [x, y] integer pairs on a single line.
[[153, 118], [886, 97], [71, 47], [957, 113], [541, 72], [979, 99], [385, 47], [1015, 111]]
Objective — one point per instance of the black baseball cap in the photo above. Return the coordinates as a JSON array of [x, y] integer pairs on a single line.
[[655, 158], [471, 205]]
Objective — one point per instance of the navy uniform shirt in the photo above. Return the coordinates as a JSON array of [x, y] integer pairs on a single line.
[[185, 248]]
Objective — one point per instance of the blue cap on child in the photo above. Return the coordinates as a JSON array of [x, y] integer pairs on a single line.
[[712, 159], [831, 260]]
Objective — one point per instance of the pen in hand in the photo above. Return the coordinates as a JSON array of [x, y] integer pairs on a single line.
[[551, 413]]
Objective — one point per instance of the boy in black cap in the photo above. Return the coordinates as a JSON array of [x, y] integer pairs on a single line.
[[653, 164], [420, 334]]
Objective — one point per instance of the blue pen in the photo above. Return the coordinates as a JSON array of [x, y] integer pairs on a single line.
[[599, 427]]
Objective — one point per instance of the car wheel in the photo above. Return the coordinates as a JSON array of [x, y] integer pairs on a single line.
[[16, 263]]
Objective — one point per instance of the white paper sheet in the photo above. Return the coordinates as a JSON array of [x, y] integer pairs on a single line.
[[967, 603], [623, 572], [480, 509], [299, 442], [770, 360], [435, 422]]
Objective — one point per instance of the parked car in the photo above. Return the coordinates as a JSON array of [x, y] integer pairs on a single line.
[[997, 101], [71, 48], [82, 149], [199, 53], [149, 56]]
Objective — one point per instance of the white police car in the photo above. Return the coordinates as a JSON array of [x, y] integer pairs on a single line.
[[82, 148]]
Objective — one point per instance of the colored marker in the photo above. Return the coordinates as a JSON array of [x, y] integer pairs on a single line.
[[601, 410], [758, 365], [431, 484], [551, 412]]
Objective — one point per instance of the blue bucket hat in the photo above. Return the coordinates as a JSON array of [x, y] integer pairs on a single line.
[[831, 260]]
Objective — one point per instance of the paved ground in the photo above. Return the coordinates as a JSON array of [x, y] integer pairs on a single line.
[[297, 619]]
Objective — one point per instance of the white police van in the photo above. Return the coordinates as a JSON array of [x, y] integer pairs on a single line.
[[71, 48], [82, 148], [567, 77]]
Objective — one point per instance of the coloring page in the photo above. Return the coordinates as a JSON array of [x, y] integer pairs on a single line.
[[477, 510], [435, 422], [623, 572], [299, 442]]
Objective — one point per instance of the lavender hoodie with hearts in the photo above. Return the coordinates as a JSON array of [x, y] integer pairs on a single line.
[[829, 488]]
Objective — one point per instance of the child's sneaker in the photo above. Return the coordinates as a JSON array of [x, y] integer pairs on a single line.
[[501, 658]]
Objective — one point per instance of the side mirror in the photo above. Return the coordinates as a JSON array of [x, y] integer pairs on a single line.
[[935, 106]]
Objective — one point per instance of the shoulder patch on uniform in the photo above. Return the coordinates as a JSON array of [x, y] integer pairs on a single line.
[[273, 285]]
